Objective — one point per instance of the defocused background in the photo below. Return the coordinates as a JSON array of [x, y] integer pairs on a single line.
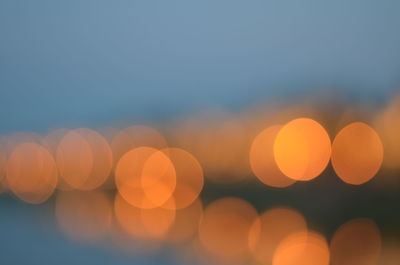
[[280, 118]]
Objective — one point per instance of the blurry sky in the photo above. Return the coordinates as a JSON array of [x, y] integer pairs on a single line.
[[88, 63]]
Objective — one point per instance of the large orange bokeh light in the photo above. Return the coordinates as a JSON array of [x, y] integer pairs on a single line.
[[145, 177], [31, 173], [262, 159], [357, 153], [270, 229], [225, 227], [302, 248], [302, 149], [356, 242]]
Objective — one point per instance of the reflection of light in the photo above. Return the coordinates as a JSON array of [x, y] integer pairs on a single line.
[[302, 149], [84, 216], [262, 159], [356, 242], [302, 248], [145, 177], [357, 153], [225, 227], [143, 223], [133, 137], [186, 222], [189, 177], [272, 227], [31, 173], [74, 159]]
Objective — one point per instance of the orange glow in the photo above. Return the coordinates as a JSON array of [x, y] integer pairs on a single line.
[[145, 177], [356, 242], [186, 222], [143, 223], [302, 149], [262, 159], [225, 227], [357, 153], [189, 177], [270, 229], [133, 137], [302, 248], [31, 173], [74, 159], [84, 216], [102, 159], [220, 144], [3, 167], [388, 126]]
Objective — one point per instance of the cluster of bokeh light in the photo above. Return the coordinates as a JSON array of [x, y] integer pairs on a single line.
[[141, 189]]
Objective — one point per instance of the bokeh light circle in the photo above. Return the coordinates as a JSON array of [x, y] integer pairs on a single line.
[[262, 159], [357, 153], [302, 149], [31, 173]]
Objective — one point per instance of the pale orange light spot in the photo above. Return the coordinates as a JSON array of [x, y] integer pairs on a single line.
[[220, 143], [262, 159], [133, 137], [357, 153], [84, 216], [388, 126], [356, 242], [74, 159], [302, 149], [186, 222], [224, 228], [302, 248], [145, 177], [102, 159], [142, 223], [31, 173], [270, 229], [189, 177]]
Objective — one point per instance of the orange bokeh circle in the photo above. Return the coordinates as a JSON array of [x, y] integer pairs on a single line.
[[357, 153]]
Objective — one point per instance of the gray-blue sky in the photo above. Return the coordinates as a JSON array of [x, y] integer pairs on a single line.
[[89, 62]]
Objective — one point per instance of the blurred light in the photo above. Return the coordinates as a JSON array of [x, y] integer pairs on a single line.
[[302, 248], [31, 173], [262, 159], [102, 159], [84, 216], [388, 126], [357, 153], [189, 177], [225, 227], [221, 143], [74, 159], [145, 177], [186, 222], [133, 137], [302, 149], [270, 229], [356, 242], [143, 223]]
